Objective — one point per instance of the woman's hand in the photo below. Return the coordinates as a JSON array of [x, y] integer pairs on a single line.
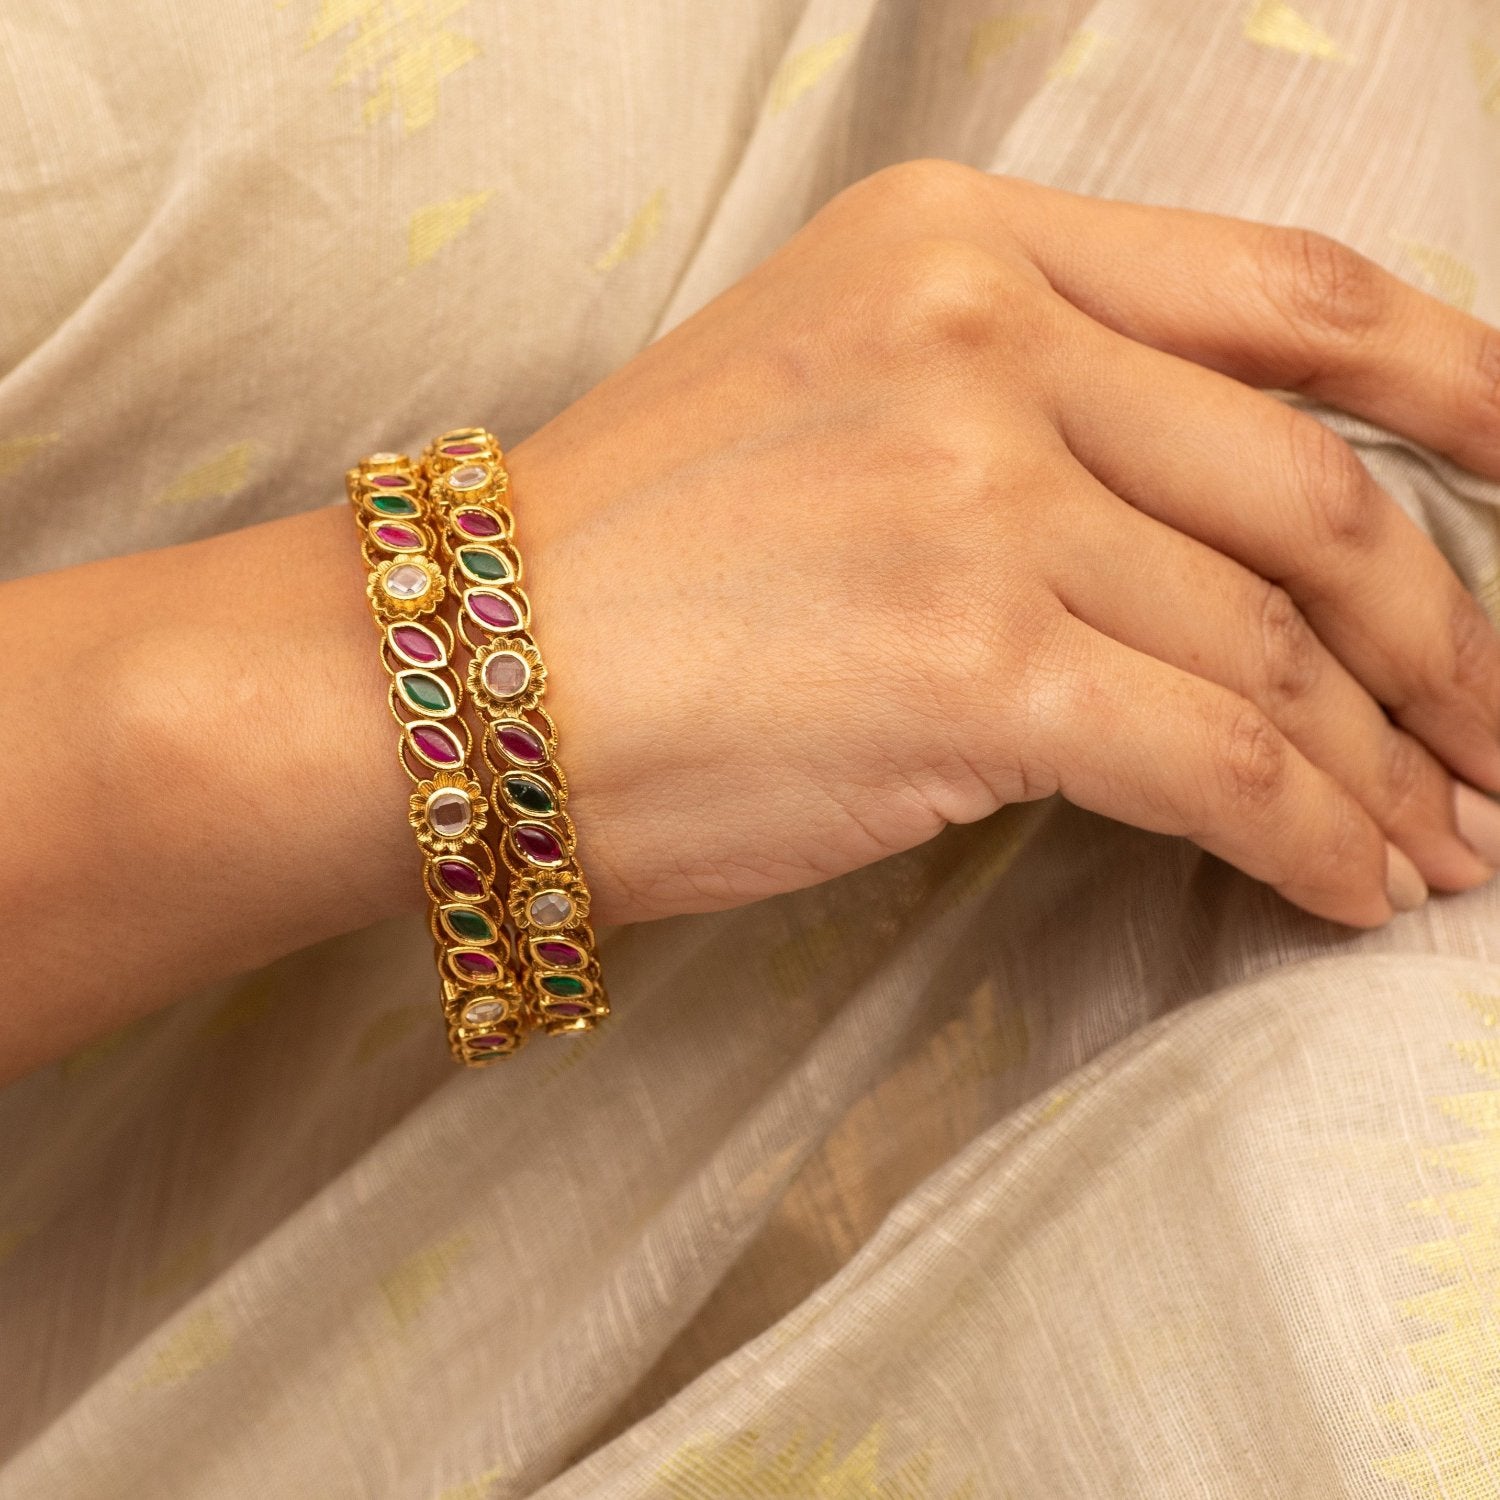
[[964, 497]]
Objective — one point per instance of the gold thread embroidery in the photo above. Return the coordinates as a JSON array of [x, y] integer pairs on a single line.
[[1455, 281], [1083, 49], [1274, 23], [404, 47], [412, 1284], [218, 478], [745, 1467], [202, 1340], [1486, 64], [637, 234], [20, 450], [804, 70], [996, 35], [244, 1006], [438, 224]]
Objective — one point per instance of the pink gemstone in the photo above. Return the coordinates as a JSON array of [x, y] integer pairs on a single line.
[[564, 955], [402, 538], [566, 1008], [476, 963], [492, 609], [489, 1042], [391, 482], [414, 644], [522, 743], [435, 745], [461, 879], [538, 844], [462, 450], [478, 523]]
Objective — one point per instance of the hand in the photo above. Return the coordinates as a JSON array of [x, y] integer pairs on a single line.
[[964, 497]]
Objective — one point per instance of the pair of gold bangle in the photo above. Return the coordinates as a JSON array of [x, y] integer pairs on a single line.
[[444, 582]]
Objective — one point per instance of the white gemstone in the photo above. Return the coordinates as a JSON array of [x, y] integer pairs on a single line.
[[482, 1011], [505, 674], [406, 581], [550, 909], [384, 458], [449, 812], [468, 477]]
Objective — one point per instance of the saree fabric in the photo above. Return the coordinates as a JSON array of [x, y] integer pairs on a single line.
[[1052, 1158]]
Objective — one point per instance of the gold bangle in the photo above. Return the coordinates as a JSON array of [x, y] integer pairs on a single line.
[[548, 899], [483, 1007]]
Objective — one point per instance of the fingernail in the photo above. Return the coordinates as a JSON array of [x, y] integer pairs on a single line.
[[1403, 881], [1478, 819]]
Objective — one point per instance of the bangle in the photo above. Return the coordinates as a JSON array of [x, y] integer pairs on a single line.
[[482, 1002], [548, 898]]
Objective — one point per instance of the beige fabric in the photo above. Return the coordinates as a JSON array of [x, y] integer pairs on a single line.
[[1051, 1159]]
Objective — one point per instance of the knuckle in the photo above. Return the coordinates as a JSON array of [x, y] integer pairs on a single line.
[[1253, 759], [1473, 651], [923, 183], [937, 294], [1487, 374], [1326, 288], [1335, 485], [1291, 654], [1406, 772]]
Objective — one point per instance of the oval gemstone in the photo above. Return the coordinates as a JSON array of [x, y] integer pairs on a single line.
[[562, 984], [468, 477], [393, 505], [506, 674], [407, 581], [529, 794], [538, 843], [449, 812], [468, 925], [555, 951], [461, 877], [397, 537], [461, 450], [474, 522], [550, 908], [566, 1008], [482, 1012], [484, 564], [391, 481], [425, 693], [418, 645], [435, 743], [521, 742], [492, 609], [491, 1042], [474, 964]]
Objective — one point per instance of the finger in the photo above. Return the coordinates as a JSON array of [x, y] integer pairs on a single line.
[[1140, 740], [1272, 306], [1160, 592], [1276, 490]]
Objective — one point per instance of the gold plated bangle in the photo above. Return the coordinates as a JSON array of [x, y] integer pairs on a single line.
[[548, 900], [483, 1006]]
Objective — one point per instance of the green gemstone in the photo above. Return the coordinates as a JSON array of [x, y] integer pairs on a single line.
[[481, 563], [473, 926], [393, 505], [425, 692], [561, 984], [529, 796]]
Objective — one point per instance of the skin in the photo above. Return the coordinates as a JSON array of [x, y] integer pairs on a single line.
[[965, 496]]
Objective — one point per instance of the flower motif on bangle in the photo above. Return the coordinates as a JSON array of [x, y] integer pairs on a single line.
[[406, 586], [547, 900], [507, 675], [448, 812]]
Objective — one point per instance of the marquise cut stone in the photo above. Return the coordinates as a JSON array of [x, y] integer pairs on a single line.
[[521, 743], [435, 744], [529, 794], [475, 964], [460, 877], [561, 984], [468, 925], [481, 1012], [418, 645], [482, 563], [492, 609], [478, 523], [555, 951], [397, 537], [537, 843], [566, 1008], [425, 693]]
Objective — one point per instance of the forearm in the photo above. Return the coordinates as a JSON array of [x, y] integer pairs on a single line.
[[201, 776]]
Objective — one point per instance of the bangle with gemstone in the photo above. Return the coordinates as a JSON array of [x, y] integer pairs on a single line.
[[482, 1000], [468, 489]]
